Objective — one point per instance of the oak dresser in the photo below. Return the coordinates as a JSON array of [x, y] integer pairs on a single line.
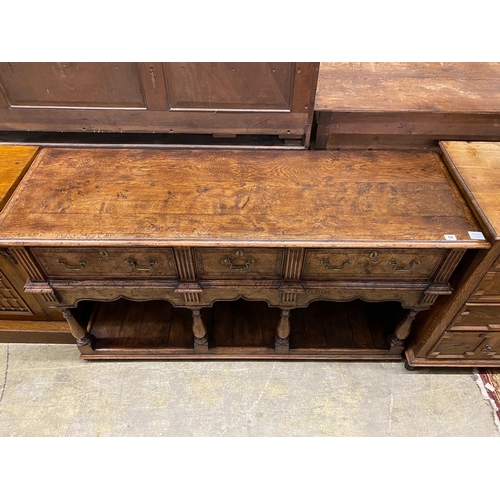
[[363, 240]]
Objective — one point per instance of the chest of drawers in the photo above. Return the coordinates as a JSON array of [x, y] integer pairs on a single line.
[[465, 329]]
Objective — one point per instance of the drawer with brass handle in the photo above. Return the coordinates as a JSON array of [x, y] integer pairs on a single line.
[[224, 263], [384, 263], [86, 263]]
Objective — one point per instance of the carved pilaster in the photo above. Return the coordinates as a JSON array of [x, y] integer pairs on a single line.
[[450, 263], [191, 298], [28, 263], [293, 264], [440, 285], [188, 286], [427, 300], [185, 265], [288, 299], [36, 280], [291, 286]]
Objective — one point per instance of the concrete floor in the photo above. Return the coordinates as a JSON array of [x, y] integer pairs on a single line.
[[48, 391]]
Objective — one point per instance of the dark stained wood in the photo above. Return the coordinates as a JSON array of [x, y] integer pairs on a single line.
[[237, 329], [337, 327], [176, 98], [359, 325], [407, 130], [230, 85], [314, 326], [329, 325], [346, 199], [67, 85], [141, 325]]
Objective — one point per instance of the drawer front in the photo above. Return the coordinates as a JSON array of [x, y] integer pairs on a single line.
[[388, 264], [479, 315], [238, 263], [78, 263], [489, 288], [467, 345]]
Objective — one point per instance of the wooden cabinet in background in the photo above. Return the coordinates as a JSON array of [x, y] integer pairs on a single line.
[[224, 99], [23, 316], [406, 105], [464, 329]]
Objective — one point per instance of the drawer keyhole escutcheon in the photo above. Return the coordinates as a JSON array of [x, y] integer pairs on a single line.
[[413, 263], [63, 262], [374, 256], [326, 263], [103, 255], [133, 264]]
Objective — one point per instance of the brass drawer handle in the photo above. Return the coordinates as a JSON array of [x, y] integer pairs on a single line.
[[413, 263], [133, 264], [63, 262], [229, 262], [326, 263]]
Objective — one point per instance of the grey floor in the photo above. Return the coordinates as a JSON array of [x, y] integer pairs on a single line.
[[48, 391]]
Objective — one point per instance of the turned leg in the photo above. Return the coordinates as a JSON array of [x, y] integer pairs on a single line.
[[281, 340], [401, 333], [84, 340], [199, 332]]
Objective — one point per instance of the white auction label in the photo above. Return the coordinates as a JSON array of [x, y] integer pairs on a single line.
[[476, 235], [450, 237]]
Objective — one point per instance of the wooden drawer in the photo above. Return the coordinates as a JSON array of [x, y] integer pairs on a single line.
[[87, 263], [479, 315], [390, 264], [230, 263], [467, 344], [489, 288]]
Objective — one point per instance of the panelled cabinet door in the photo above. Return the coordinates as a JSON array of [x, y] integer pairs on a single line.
[[194, 98], [15, 304]]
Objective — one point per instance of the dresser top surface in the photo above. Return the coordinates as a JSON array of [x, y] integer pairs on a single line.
[[254, 198], [477, 168], [402, 87]]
